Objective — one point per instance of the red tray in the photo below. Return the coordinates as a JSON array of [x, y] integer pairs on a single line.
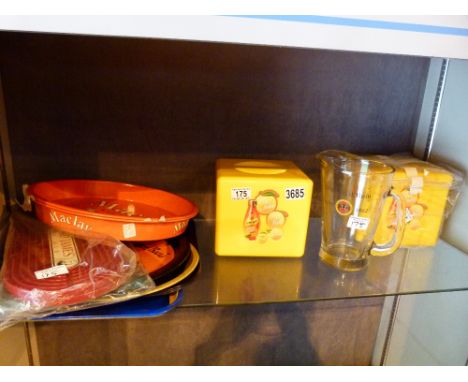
[[123, 211], [99, 268]]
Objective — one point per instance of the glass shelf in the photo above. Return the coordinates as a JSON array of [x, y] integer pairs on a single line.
[[228, 281]]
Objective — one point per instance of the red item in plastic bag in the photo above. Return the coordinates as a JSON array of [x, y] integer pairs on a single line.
[[35, 256]]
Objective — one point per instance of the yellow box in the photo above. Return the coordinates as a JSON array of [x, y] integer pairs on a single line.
[[262, 208], [424, 188]]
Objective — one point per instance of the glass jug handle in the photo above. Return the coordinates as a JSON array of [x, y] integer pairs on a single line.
[[395, 241]]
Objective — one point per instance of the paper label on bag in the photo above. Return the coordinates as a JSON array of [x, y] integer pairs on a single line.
[[357, 222], [51, 272], [416, 182], [244, 193], [411, 171], [129, 230], [63, 249]]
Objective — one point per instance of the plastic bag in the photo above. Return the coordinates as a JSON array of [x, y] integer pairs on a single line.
[[47, 271], [429, 192]]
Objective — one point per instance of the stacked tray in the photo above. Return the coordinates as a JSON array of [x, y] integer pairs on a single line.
[[150, 222]]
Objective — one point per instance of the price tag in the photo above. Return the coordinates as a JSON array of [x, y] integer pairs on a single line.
[[295, 193], [129, 230], [357, 222], [241, 193], [51, 272]]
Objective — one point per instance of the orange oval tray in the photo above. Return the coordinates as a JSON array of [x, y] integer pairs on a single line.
[[123, 211]]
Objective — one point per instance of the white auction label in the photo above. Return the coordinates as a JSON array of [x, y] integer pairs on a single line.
[[51, 272], [295, 193], [129, 230], [241, 193], [358, 222]]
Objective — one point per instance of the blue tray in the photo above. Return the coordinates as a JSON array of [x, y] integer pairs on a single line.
[[146, 306]]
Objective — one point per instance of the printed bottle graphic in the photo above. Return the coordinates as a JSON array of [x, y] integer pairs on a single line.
[[252, 221]]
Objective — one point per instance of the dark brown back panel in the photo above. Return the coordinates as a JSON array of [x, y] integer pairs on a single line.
[[159, 112], [308, 333]]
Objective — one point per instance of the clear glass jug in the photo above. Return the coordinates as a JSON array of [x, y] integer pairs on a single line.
[[353, 193]]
